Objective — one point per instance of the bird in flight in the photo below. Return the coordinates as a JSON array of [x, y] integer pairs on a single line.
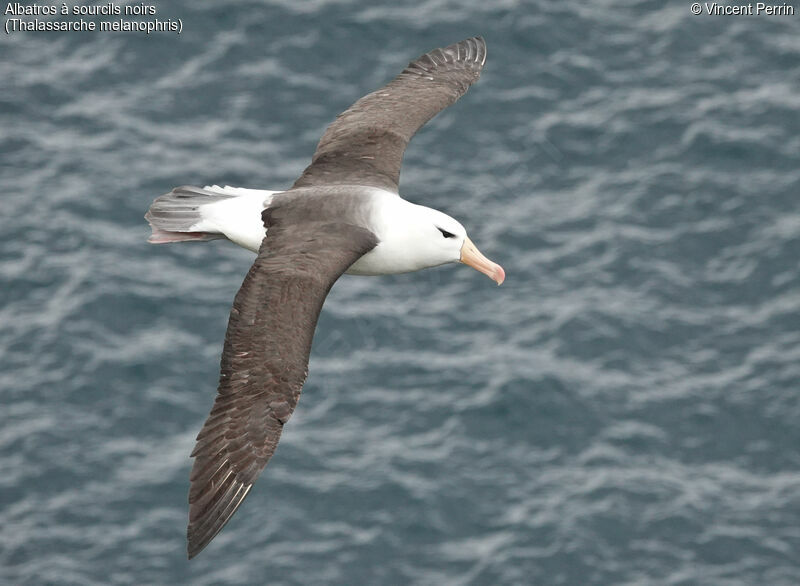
[[344, 214]]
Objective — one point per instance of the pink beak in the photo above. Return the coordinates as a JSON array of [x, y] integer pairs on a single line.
[[471, 256]]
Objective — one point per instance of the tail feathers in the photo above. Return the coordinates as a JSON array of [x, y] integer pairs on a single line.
[[160, 236], [176, 217]]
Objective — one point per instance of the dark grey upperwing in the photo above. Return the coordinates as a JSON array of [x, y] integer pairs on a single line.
[[365, 144], [265, 363]]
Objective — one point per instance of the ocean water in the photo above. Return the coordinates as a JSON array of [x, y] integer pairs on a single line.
[[625, 409]]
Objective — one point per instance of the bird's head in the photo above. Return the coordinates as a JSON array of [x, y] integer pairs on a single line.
[[441, 239]]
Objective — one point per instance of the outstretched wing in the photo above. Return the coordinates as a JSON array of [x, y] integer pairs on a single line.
[[264, 363], [365, 144]]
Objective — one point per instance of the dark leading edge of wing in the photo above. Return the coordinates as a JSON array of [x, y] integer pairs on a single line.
[[365, 144], [264, 362]]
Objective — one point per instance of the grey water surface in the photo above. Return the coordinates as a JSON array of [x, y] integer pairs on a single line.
[[625, 409]]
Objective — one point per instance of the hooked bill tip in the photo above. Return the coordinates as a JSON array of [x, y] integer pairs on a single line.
[[499, 275]]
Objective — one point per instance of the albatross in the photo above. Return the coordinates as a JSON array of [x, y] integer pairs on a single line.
[[343, 215]]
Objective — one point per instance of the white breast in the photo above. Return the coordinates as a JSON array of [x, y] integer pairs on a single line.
[[399, 226]]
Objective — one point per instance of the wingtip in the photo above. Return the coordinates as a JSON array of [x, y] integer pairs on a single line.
[[470, 52], [481, 50], [210, 519], [474, 49], [194, 546]]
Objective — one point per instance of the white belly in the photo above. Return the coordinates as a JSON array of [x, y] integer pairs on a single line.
[[385, 259], [393, 220]]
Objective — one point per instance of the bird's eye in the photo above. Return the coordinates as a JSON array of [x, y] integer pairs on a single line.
[[445, 233]]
